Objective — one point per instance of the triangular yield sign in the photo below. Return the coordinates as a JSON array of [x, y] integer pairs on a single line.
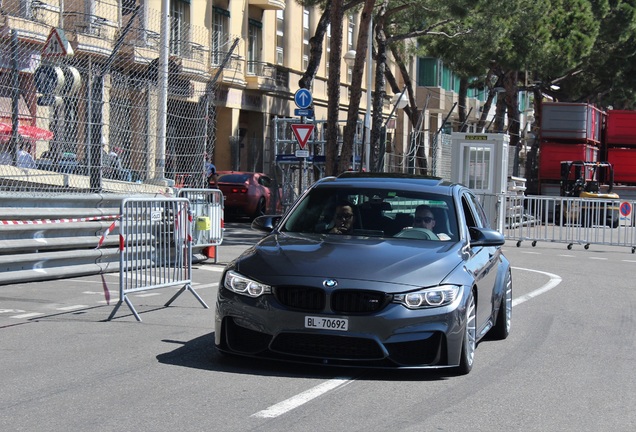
[[302, 133]]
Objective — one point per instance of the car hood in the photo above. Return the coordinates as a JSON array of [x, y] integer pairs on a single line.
[[398, 261]]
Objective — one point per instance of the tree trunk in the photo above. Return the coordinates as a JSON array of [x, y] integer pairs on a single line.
[[462, 99], [378, 98], [500, 113], [356, 88], [333, 89], [532, 158], [315, 48], [511, 84]]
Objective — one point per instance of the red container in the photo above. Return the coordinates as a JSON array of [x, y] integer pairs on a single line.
[[620, 128], [552, 153], [571, 122], [624, 161]]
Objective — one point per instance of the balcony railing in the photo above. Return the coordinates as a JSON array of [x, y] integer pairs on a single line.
[[270, 72]]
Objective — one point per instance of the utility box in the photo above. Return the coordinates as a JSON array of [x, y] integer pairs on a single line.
[[480, 162]]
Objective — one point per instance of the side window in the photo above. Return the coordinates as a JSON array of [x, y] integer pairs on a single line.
[[468, 213], [265, 181], [475, 216]]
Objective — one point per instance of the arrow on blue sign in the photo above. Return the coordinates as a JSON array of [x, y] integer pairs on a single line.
[[303, 98]]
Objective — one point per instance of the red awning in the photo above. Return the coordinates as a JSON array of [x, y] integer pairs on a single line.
[[35, 132], [26, 131]]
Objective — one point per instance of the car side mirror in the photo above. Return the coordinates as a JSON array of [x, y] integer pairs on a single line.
[[266, 223], [485, 237]]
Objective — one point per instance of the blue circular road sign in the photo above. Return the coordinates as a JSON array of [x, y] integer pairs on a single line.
[[303, 98]]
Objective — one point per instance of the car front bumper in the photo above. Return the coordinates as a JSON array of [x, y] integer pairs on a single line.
[[394, 337]]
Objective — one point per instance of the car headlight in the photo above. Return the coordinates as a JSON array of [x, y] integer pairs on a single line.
[[442, 295], [240, 284]]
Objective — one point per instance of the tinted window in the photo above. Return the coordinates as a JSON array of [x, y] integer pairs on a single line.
[[234, 178], [377, 212]]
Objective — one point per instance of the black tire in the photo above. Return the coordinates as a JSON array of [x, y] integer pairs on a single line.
[[469, 343], [501, 329], [261, 208]]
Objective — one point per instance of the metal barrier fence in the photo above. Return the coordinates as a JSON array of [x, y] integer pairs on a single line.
[[155, 243], [207, 213], [82, 91], [570, 221]]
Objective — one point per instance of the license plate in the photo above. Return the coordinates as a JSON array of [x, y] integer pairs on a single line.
[[340, 324]]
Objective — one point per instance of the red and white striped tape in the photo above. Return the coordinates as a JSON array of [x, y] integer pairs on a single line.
[[103, 237], [53, 221]]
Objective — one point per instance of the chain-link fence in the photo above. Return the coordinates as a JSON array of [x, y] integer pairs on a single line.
[[81, 87]]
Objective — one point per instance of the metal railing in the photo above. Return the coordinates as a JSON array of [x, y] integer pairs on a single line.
[[155, 248], [570, 221]]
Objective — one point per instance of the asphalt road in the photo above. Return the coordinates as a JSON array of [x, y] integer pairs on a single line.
[[568, 365]]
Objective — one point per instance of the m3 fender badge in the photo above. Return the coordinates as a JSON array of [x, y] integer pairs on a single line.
[[330, 283]]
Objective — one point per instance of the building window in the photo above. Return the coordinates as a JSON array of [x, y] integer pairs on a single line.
[[255, 30], [179, 26], [306, 49], [280, 34], [220, 35]]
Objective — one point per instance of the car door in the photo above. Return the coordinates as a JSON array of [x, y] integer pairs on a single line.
[[482, 262]]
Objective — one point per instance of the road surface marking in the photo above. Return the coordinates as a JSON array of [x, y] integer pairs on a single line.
[[68, 308], [302, 398], [27, 315], [553, 282]]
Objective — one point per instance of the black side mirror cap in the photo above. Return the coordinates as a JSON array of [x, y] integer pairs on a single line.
[[266, 223], [486, 237]]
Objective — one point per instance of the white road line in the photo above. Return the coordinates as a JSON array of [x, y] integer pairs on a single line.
[[147, 295], [68, 308], [553, 282], [598, 258], [568, 256], [212, 269], [108, 302], [531, 253], [302, 398], [27, 315], [632, 261]]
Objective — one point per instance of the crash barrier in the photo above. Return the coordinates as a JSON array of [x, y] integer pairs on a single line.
[[155, 244], [581, 221], [44, 237], [55, 236], [207, 213]]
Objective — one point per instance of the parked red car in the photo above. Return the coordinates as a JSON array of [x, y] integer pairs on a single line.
[[248, 193]]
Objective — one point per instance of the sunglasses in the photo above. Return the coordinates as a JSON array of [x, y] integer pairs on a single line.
[[425, 219], [344, 216]]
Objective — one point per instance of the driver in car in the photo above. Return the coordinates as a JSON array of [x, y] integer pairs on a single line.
[[424, 219], [343, 218]]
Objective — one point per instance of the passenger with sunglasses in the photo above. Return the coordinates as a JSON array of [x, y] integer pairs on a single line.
[[342, 219], [424, 219]]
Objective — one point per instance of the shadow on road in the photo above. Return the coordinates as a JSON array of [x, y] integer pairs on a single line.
[[200, 353]]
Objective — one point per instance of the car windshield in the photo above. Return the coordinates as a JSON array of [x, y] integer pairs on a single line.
[[374, 213], [233, 178]]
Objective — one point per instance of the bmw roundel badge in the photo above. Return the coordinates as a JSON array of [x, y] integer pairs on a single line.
[[330, 283]]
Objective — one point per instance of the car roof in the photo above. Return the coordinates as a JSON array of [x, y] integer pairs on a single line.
[[392, 181]]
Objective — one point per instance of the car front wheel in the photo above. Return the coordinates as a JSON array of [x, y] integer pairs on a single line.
[[501, 330], [470, 339]]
